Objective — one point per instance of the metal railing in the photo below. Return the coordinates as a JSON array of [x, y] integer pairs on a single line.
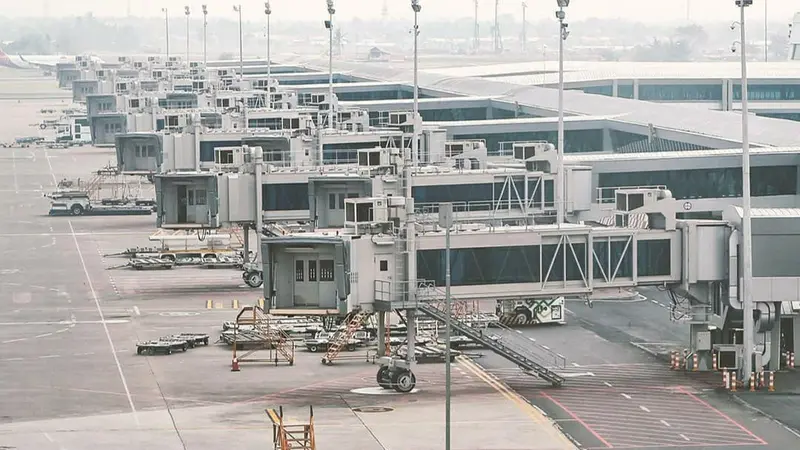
[[506, 148], [607, 195]]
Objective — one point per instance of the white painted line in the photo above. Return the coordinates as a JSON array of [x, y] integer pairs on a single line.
[[49, 356], [70, 323], [576, 364], [644, 408], [62, 330], [684, 437], [666, 424], [607, 384], [626, 396], [546, 347], [44, 335], [136, 310], [83, 354], [14, 340], [48, 437], [14, 169], [102, 317], [12, 359]]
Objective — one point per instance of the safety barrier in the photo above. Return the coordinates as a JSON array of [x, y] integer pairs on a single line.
[[760, 380]]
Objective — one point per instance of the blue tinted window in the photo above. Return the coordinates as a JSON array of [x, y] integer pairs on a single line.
[[625, 90], [679, 93], [285, 197], [601, 90], [710, 183], [767, 92]]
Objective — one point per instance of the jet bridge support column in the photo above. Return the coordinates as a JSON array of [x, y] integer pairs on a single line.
[[246, 237], [381, 333]]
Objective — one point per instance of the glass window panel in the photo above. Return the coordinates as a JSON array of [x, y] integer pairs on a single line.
[[299, 271], [312, 270], [710, 183], [326, 270], [285, 197], [481, 266], [654, 258]]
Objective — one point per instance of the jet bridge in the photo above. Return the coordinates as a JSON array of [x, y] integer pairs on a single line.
[[696, 262]]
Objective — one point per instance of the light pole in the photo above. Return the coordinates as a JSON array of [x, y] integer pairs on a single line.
[[563, 33], [747, 266], [166, 27], [238, 9], [329, 26], [446, 222], [268, 12], [188, 13], [766, 31], [205, 37], [415, 111]]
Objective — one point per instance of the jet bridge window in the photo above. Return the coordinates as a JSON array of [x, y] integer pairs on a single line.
[[134, 103], [291, 124], [654, 258], [299, 270], [489, 265], [172, 121], [145, 151]]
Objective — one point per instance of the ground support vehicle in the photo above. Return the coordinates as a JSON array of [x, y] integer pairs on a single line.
[[193, 339], [161, 346]]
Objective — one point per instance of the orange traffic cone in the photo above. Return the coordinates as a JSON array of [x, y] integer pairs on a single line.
[[235, 365]]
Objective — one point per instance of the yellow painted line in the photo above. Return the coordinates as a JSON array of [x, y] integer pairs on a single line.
[[535, 415]]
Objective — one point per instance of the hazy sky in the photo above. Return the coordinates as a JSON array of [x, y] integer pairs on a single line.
[[643, 10]]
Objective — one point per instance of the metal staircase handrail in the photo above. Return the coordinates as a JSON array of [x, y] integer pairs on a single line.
[[522, 360]]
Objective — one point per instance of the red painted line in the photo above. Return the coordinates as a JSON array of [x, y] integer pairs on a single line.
[[678, 445], [577, 419], [724, 416]]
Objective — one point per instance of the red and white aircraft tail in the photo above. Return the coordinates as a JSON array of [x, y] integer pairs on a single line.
[[47, 62]]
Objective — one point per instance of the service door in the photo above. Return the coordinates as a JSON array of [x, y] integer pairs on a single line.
[[182, 203], [306, 276]]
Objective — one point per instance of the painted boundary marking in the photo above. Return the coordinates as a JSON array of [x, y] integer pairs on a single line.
[[534, 413], [103, 320]]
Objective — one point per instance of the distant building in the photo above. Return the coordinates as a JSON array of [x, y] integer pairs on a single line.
[[376, 54]]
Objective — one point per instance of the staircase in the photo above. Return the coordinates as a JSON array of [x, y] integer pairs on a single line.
[[518, 353], [342, 338]]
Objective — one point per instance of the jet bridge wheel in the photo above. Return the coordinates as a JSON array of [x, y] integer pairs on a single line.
[[253, 279], [403, 381], [384, 378]]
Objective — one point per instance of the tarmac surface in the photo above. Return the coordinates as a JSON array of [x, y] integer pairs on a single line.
[[71, 378], [620, 394]]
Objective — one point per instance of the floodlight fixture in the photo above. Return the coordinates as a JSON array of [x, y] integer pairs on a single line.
[[267, 8]]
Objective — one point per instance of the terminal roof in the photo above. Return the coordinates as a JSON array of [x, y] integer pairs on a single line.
[[459, 80]]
